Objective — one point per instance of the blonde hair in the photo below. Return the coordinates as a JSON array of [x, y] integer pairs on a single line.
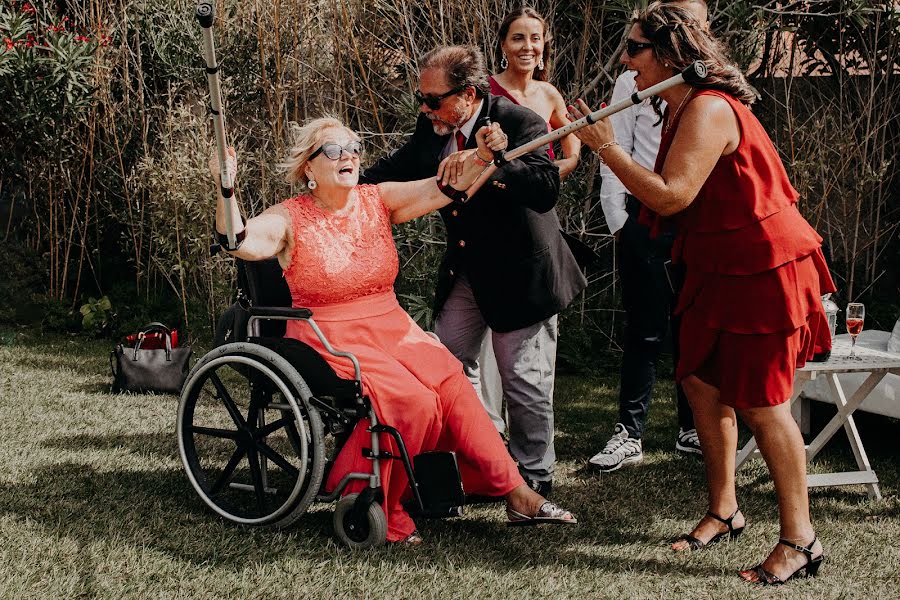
[[306, 141]]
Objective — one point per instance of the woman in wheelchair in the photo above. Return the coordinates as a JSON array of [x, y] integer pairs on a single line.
[[339, 259]]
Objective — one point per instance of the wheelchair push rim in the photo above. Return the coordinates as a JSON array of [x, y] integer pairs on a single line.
[[250, 443]]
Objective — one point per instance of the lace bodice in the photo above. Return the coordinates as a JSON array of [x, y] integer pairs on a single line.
[[344, 255]]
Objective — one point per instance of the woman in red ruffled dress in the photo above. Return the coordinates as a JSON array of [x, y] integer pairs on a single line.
[[754, 273]]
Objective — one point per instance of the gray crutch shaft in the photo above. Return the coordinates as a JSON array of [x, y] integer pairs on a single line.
[[205, 15]]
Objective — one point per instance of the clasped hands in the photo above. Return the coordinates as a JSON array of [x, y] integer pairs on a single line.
[[460, 169]]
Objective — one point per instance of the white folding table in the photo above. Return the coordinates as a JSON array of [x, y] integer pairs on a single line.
[[877, 364]]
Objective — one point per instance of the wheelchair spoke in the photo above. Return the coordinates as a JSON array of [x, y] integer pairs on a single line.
[[233, 462], [214, 432], [256, 476], [277, 459], [272, 427], [225, 397]]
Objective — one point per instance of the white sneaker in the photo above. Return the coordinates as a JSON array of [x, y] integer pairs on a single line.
[[620, 451], [688, 442]]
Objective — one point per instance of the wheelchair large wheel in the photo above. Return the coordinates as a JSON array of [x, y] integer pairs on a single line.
[[366, 534], [250, 441]]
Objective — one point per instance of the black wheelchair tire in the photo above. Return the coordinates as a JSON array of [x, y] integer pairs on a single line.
[[375, 533], [262, 359]]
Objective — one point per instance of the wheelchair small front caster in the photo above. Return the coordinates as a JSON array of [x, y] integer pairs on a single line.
[[367, 533]]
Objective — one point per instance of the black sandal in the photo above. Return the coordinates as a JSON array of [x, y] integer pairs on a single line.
[[732, 533], [766, 577]]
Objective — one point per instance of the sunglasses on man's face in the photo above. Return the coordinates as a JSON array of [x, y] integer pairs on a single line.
[[334, 151], [632, 47], [434, 102]]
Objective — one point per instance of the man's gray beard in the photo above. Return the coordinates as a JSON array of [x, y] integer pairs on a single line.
[[441, 128]]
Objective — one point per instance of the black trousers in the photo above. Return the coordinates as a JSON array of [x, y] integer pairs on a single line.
[[648, 300]]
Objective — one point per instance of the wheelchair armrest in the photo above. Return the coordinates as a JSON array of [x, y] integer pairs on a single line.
[[278, 312]]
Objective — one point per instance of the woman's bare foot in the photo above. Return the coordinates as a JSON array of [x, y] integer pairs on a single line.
[[524, 500], [524, 506], [707, 529]]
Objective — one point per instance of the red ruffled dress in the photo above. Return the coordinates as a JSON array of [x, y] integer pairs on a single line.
[[754, 273], [343, 268]]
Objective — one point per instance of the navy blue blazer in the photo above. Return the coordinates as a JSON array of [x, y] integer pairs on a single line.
[[506, 239]]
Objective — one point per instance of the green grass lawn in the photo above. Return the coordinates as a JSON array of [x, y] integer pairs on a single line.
[[94, 503]]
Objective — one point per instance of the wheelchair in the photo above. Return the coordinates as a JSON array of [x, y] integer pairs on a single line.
[[262, 417]]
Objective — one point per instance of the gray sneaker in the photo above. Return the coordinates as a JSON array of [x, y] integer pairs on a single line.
[[688, 442], [620, 451]]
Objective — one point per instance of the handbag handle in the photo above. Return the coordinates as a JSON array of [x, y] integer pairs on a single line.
[[149, 329], [156, 326]]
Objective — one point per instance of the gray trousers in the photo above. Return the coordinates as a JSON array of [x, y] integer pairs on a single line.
[[526, 360]]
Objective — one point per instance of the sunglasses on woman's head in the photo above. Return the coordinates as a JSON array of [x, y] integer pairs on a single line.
[[334, 151], [632, 47], [434, 102]]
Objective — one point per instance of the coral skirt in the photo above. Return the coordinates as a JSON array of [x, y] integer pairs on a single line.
[[416, 386]]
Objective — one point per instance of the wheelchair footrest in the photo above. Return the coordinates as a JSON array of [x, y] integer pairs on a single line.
[[439, 484]]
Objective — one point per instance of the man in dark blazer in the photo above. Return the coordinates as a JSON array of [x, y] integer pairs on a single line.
[[507, 265]]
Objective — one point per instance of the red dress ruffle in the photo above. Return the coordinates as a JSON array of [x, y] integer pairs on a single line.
[[754, 273]]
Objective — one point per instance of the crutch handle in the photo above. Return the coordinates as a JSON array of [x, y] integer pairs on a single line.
[[694, 72]]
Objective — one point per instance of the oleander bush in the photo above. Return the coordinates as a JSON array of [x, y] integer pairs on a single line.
[[103, 122]]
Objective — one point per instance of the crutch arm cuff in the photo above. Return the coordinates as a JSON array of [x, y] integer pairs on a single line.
[[222, 239]]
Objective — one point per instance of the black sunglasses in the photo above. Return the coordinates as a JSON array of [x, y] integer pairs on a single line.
[[632, 47], [434, 102], [334, 151]]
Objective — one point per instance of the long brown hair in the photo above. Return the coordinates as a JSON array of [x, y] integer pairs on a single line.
[[679, 40], [526, 11]]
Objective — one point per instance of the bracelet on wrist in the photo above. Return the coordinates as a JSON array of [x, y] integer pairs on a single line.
[[451, 192], [482, 162], [599, 151]]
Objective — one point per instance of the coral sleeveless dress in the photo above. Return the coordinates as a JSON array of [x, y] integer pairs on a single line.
[[343, 268], [754, 273]]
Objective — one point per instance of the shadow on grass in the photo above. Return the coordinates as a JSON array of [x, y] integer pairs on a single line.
[[162, 445], [159, 510]]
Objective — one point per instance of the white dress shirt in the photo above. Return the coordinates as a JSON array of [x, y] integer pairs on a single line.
[[466, 129], [638, 133]]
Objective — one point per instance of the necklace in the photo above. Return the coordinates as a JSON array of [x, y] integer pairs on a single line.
[[668, 124]]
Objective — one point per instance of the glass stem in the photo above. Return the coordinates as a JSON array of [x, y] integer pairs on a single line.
[[852, 346]]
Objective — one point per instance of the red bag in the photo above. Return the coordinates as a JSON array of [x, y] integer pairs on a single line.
[[154, 340]]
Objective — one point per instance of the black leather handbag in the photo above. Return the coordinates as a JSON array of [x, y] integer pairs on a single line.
[[143, 370]]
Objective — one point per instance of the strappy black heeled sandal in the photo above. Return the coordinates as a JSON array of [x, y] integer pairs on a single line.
[[732, 533], [766, 577]]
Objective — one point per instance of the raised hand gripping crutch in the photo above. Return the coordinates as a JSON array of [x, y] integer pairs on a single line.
[[205, 14], [692, 74]]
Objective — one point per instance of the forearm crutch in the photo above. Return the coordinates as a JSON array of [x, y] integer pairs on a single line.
[[692, 74], [205, 15]]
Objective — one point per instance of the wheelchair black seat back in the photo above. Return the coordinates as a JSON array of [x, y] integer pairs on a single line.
[[261, 418]]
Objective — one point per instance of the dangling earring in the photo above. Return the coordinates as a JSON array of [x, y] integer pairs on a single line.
[[541, 64], [503, 62], [312, 184]]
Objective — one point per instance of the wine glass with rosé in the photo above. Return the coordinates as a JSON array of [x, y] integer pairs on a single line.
[[856, 315]]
